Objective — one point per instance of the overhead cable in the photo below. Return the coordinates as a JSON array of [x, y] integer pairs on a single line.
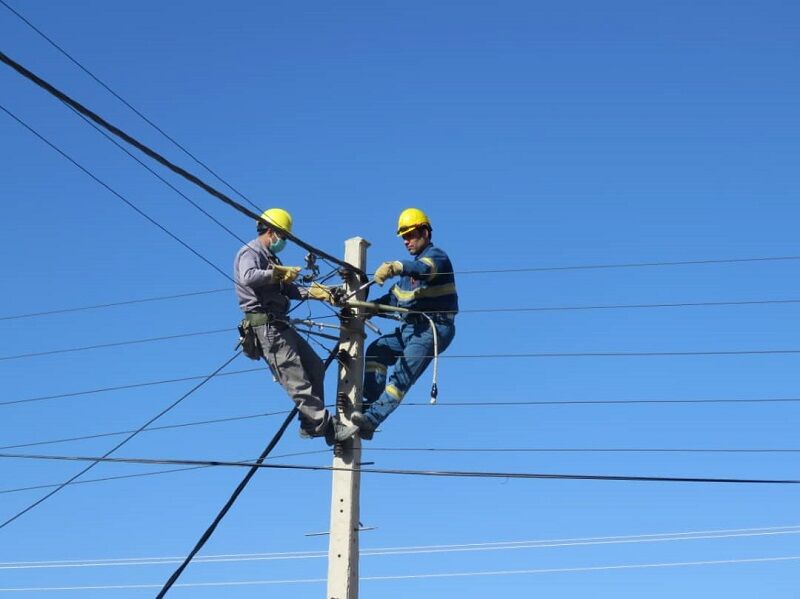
[[472, 574], [114, 304], [228, 504], [579, 402], [489, 450], [415, 549], [645, 354], [228, 419], [116, 193], [580, 450], [408, 472], [149, 430], [106, 455], [634, 265], [621, 354], [121, 387], [165, 162], [126, 103], [454, 404], [461, 311], [115, 344], [197, 206], [239, 488], [152, 473]]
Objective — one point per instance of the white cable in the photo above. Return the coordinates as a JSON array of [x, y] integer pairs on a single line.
[[418, 549], [234, 583], [434, 386]]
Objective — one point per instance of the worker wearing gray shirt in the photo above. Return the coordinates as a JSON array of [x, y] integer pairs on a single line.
[[264, 288]]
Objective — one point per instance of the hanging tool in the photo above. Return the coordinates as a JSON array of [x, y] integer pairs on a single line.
[[311, 264]]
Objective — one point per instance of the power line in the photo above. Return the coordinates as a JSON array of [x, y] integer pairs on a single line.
[[103, 479], [114, 344], [412, 403], [419, 449], [580, 450], [116, 193], [633, 265], [123, 387], [445, 356], [149, 430], [231, 500], [106, 455], [578, 402], [416, 549], [227, 200], [164, 161], [408, 472], [627, 306], [394, 449], [114, 304], [140, 341], [239, 489], [463, 311], [154, 473], [125, 102], [656, 354], [160, 178], [240, 583]]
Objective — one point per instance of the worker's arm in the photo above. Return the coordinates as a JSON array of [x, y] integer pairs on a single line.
[[424, 268], [251, 275]]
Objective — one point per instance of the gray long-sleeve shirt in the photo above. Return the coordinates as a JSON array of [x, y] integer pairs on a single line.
[[255, 286]]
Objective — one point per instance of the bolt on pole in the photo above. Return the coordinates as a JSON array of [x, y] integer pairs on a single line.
[[343, 544]]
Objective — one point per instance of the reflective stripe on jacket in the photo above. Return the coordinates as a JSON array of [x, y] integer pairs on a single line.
[[427, 283]]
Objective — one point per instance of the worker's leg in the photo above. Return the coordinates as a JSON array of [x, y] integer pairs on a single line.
[[417, 354], [381, 354], [300, 372]]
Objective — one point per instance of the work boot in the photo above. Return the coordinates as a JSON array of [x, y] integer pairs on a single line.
[[365, 427], [338, 432]]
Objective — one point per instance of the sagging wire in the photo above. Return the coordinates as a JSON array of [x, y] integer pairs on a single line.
[[113, 191], [239, 488], [116, 131], [126, 103], [120, 444], [410, 472]]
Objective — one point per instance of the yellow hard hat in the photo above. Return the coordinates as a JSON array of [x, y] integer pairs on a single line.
[[410, 219], [278, 217]]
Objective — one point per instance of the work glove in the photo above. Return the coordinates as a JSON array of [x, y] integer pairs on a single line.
[[284, 274], [322, 293], [387, 270]]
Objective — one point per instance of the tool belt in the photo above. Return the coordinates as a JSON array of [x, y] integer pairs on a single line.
[[248, 339]]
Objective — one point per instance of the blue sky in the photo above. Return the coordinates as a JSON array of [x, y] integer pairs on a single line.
[[535, 135]]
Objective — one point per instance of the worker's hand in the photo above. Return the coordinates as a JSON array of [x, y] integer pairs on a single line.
[[284, 274], [321, 293], [387, 270]]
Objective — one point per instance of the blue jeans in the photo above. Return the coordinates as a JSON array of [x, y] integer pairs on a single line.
[[409, 349]]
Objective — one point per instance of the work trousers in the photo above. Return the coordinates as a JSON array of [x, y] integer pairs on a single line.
[[300, 372], [409, 349]]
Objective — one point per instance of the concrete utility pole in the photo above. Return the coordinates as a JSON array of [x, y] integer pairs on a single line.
[[343, 547]]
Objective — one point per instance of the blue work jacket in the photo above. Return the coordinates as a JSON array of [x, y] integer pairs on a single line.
[[427, 284]]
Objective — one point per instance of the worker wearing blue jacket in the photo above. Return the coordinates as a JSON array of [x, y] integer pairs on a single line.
[[427, 288]]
